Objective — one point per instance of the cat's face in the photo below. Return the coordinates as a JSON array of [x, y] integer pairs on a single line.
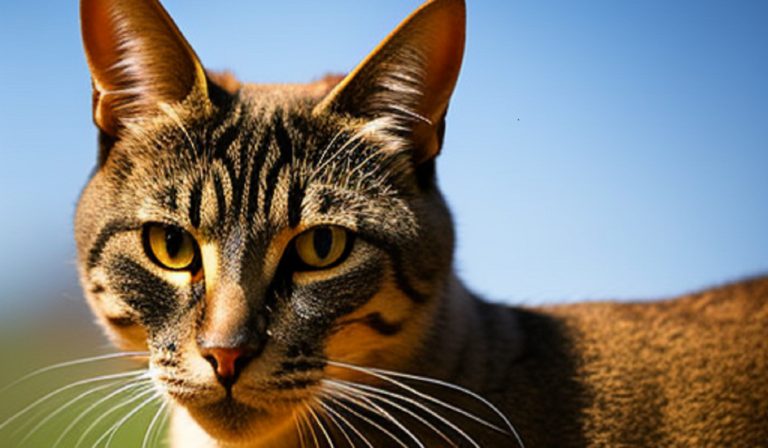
[[252, 239]]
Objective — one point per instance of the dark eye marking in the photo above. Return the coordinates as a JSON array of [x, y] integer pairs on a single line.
[[105, 234], [153, 298]]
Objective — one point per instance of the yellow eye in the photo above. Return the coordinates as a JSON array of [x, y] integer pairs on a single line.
[[322, 247], [171, 247]]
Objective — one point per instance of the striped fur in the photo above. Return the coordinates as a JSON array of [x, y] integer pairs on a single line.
[[245, 169]]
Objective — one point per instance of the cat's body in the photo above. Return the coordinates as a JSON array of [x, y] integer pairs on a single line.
[[270, 245]]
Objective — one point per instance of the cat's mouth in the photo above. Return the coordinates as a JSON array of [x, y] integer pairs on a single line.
[[245, 410], [231, 420]]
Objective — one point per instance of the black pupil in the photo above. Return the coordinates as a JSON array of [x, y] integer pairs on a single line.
[[174, 239], [323, 241]]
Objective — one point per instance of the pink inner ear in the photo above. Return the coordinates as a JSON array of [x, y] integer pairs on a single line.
[[137, 58]]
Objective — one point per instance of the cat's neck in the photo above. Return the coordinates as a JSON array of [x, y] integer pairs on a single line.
[[520, 360], [454, 344]]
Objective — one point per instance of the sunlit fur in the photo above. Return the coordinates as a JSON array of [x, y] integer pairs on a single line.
[[387, 348]]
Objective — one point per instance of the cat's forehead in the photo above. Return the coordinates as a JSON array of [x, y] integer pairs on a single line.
[[263, 159]]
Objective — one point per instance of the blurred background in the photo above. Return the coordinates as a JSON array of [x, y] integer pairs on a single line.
[[595, 150]]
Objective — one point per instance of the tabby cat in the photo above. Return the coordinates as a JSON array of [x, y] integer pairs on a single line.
[[284, 255]]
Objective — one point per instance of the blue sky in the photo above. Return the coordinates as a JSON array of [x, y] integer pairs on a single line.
[[594, 149]]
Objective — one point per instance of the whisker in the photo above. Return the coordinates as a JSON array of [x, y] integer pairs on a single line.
[[129, 386], [369, 407], [388, 415], [333, 421], [53, 414], [372, 393], [92, 426], [163, 423], [332, 412], [297, 423], [76, 362], [116, 427], [322, 427], [386, 376], [68, 387], [151, 427], [311, 428]]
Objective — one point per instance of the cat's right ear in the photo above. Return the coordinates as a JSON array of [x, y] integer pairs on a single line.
[[138, 59], [409, 77]]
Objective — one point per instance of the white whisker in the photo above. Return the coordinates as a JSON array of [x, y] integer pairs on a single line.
[[297, 423], [366, 398], [311, 428], [142, 393], [371, 407], [68, 387], [333, 421], [322, 427], [163, 423], [131, 385], [332, 412], [76, 362], [372, 392], [151, 427], [386, 376], [116, 427], [53, 414]]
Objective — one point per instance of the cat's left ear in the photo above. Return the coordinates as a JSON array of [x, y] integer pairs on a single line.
[[138, 60], [409, 77]]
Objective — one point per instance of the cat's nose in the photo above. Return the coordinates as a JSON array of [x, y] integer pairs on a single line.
[[228, 362]]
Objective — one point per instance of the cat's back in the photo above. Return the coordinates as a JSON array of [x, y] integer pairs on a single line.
[[690, 371]]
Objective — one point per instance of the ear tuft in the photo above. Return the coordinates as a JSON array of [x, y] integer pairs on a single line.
[[409, 77], [138, 59]]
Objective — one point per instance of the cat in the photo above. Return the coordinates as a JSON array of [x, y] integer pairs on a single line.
[[284, 255]]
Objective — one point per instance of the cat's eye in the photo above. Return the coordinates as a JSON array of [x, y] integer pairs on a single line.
[[171, 247], [323, 247]]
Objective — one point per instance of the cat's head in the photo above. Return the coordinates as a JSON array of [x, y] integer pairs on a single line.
[[252, 237]]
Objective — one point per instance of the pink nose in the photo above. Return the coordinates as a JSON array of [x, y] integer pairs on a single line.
[[227, 362]]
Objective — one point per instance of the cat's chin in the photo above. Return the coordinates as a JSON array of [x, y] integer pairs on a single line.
[[231, 421]]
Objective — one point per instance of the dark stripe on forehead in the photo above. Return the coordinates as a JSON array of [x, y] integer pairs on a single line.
[[327, 199], [107, 232], [213, 126], [170, 198], [195, 202], [226, 139], [238, 179], [120, 169], [295, 198], [284, 142], [255, 175], [221, 200], [285, 148]]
